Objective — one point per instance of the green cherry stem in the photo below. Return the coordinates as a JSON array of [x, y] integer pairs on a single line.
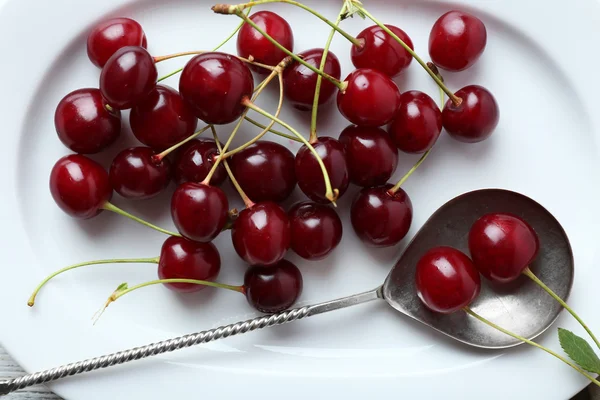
[[273, 131], [111, 207], [157, 158], [409, 173]]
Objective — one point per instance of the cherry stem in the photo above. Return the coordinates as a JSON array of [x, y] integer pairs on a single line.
[[157, 158], [528, 273], [111, 207], [436, 71], [547, 350], [196, 52], [278, 133], [31, 300], [409, 173]]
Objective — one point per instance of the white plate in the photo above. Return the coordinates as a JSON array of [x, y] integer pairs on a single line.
[[540, 63]]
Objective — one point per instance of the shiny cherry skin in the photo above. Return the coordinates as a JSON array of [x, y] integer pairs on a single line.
[[80, 186], [199, 211], [134, 175], [194, 161], [109, 36], [251, 43], [475, 119], [214, 84], [273, 289], [181, 258], [382, 52], [261, 234], [371, 155], [502, 245], [265, 171], [316, 230], [128, 77], [457, 40], [310, 175], [299, 82], [84, 124], [379, 218], [371, 99], [446, 280], [418, 123], [162, 119]]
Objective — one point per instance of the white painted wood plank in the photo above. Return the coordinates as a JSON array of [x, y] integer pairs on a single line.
[[9, 369]]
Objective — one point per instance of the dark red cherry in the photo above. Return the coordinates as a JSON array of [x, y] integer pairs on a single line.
[[84, 124], [214, 84], [183, 259], [265, 171], [252, 43], [457, 40], [79, 186], [447, 280], [134, 175], [382, 52], [128, 77], [418, 123], [261, 234], [371, 99], [502, 246], [195, 159], [475, 118], [371, 155], [162, 119], [109, 36], [380, 218], [199, 211], [310, 175], [273, 289], [316, 230], [299, 82]]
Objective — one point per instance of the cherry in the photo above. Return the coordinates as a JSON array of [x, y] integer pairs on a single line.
[[475, 118], [457, 40], [199, 211], [265, 171], [162, 119], [84, 124], [194, 161], [134, 175], [299, 82], [447, 280], [371, 155], [273, 289], [183, 259], [261, 234], [316, 230], [310, 175], [382, 52], [381, 218], [250, 43], [128, 77], [109, 36], [418, 123], [371, 98], [502, 246], [214, 84]]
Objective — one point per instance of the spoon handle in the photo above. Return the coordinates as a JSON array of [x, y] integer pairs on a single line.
[[182, 342]]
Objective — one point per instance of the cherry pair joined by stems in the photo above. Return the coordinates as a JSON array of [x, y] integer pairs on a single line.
[[111, 35], [316, 230]]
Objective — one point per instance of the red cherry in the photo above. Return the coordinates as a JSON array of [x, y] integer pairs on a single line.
[[273, 289], [447, 280], [382, 52], [79, 186], [265, 171], [128, 77], [371, 155], [109, 36], [457, 40], [162, 119], [502, 246], [183, 259], [214, 84], [379, 218], [134, 175], [475, 118], [261, 234], [299, 82], [194, 161], [371, 99], [250, 43], [83, 124], [316, 230], [199, 211]]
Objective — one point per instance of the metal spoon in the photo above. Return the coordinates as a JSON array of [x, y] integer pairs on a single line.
[[521, 307]]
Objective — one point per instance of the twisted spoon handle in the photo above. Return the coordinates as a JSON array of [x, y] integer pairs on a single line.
[[182, 342]]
